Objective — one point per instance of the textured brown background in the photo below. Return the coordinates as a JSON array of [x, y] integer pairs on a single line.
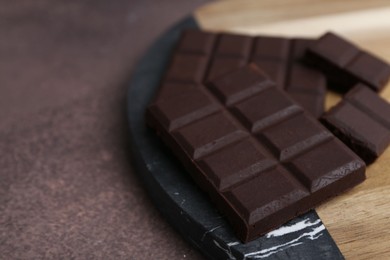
[[67, 188]]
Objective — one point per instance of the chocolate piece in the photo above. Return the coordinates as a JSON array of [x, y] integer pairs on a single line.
[[345, 65], [281, 59], [276, 70], [222, 65], [308, 88], [193, 105], [259, 155], [306, 85], [271, 48], [233, 45], [362, 121], [187, 68], [201, 57]]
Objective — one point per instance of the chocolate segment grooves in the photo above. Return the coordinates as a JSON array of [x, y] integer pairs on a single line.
[[362, 121], [201, 57], [345, 65], [262, 159]]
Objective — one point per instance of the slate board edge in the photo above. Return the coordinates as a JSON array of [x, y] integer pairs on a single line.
[[180, 201]]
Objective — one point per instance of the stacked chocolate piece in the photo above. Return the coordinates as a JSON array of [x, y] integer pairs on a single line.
[[240, 113]]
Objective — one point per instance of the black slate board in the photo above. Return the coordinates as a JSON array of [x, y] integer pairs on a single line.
[[180, 200]]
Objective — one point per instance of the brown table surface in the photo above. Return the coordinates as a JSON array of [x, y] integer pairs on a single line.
[[67, 188]]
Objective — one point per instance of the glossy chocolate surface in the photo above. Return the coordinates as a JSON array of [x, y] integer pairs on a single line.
[[362, 121], [201, 57], [262, 159], [345, 65]]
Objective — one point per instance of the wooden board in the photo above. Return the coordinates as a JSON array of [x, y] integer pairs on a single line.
[[358, 220]]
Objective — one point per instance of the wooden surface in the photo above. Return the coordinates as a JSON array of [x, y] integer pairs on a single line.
[[358, 220]]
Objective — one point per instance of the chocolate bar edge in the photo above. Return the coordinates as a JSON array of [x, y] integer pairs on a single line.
[[235, 218]]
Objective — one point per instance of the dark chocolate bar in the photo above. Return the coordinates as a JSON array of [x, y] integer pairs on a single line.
[[262, 159], [345, 64], [202, 56], [362, 121]]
